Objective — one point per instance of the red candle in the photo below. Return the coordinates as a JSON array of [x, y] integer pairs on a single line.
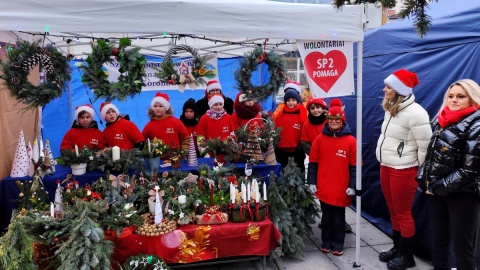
[[211, 195]]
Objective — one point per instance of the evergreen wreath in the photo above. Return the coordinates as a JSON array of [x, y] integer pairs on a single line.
[[142, 261], [250, 63], [25, 57], [168, 74], [132, 70]]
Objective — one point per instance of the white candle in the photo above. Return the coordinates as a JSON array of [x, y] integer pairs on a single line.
[[76, 150], [232, 193], [249, 195], [149, 147], [257, 192], [244, 195], [52, 210], [115, 153], [264, 191]]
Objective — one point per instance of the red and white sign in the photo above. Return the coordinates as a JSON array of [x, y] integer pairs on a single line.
[[328, 66]]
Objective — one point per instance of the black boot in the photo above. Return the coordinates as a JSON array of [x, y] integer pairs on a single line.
[[404, 258], [390, 254]]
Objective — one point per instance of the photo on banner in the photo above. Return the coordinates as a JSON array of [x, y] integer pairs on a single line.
[[328, 66], [152, 83]]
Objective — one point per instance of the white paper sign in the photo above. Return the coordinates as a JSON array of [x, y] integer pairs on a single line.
[[328, 66]]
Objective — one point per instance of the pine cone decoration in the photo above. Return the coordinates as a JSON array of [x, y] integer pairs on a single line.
[[223, 208], [200, 210], [15, 80], [31, 62]]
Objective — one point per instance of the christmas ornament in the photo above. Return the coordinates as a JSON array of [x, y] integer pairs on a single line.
[[192, 153], [132, 71], [250, 63], [25, 57], [252, 148], [20, 162], [270, 158]]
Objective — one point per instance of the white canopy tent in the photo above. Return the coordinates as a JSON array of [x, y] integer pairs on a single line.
[[228, 28]]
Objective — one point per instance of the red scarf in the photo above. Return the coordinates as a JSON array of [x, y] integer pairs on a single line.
[[299, 108], [448, 117]]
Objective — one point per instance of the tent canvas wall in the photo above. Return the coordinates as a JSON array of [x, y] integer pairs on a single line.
[[449, 52]]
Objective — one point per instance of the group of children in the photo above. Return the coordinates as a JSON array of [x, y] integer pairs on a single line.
[[332, 155]]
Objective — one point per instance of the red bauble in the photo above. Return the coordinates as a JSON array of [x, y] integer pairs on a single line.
[[55, 240], [115, 52]]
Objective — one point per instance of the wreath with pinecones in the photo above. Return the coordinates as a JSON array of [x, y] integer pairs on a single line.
[[132, 70], [168, 74], [250, 63], [24, 58]]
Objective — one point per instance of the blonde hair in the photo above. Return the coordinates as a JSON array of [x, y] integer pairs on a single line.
[[471, 88], [391, 106], [151, 113]]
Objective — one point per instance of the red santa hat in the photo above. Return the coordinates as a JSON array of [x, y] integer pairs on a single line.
[[162, 99], [402, 81], [292, 85], [336, 109], [318, 101], [213, 84], [215, 99], [87, 107], [105, 106]]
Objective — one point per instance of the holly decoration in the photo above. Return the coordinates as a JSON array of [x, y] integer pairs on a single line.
[[132, 71], [168, 74], [250, 63], [24, 58]]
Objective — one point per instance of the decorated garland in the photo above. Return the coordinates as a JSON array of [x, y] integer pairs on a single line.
[[132, 71], [142, 261], [249, 64], [24, 58], [168, 74]]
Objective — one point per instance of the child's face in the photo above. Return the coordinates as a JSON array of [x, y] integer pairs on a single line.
[[189, 114], [249, 103], [291, 103], [111, 116], [217, 106], [316, 110], [85, 120], [159, 110]]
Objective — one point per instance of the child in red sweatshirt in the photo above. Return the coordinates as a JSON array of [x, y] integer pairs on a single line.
[[164, 126], [317, 109], [246, 110], [84, 131], [119, 130], [291, 120], [215, 123]]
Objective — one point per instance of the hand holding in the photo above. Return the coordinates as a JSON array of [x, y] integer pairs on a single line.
[[313, 188], [350, 192]]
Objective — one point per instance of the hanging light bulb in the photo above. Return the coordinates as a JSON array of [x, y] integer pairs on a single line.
[[353, 2]]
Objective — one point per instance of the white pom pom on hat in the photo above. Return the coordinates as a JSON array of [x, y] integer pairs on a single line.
[[87, 107], [402, 81], [162, 99], [105, 106]]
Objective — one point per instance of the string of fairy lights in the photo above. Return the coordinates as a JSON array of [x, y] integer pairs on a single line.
[[69, 38]]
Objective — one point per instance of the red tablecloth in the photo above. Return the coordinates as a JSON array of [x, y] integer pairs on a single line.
[[192, 243]]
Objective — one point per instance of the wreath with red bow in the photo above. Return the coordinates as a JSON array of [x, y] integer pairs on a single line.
[[132, 70], [250, 63]]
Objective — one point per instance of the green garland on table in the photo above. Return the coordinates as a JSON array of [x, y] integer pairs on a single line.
[[132, 70], [168, 74], [250, 63], [143, 261], [25, 57], [69, 156]]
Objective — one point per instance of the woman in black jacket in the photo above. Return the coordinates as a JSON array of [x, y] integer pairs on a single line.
[[450, 176]]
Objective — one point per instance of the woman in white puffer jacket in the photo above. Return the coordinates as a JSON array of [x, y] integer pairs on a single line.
[[401, 148]]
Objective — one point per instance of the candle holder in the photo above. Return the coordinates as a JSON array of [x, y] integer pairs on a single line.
[[238, 213]]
